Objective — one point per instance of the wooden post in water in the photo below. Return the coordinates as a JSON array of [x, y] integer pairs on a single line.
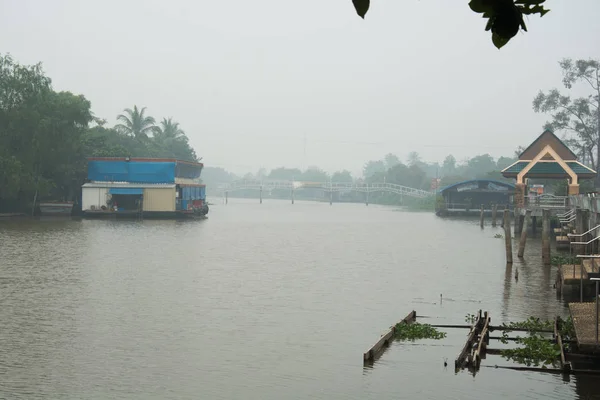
[[494, 213], [523, 240], [367, 195], [330, 196], [546, 237], [226, 197], [516, 220], [292, 193], [507, 237], [481, 217], [261, 194]]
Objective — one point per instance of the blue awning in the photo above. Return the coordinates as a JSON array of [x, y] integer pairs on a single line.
[[126, 191]]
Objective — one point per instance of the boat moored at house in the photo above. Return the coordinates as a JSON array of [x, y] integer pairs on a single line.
[[143, 187]]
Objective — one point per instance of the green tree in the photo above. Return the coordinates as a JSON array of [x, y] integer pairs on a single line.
[[342, 176], [414, 158], [391, 160], [373, 167], [504, 162], [479, 166], [505, 17], [411, 176], [40, 135], [135, 123], [168, 131], [578, 117], [449, 165], [315, 174], [286, 174]]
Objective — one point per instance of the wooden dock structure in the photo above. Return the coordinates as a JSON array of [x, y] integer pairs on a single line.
[[577, 274], [562, 242], [584, 321], [377, 349], [475, 347]]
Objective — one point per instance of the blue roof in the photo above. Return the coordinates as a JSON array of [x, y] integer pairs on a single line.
[[479, 182]]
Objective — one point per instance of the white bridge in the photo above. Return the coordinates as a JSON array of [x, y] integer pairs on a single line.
[[268, 185]]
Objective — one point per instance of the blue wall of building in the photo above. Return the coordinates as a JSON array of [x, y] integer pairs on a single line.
[[137, 172], [193, 193]]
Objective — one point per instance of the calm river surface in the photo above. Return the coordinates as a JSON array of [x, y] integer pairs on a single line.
[[268, 301]]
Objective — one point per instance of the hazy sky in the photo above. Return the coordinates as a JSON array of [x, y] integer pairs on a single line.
[[249, 80]]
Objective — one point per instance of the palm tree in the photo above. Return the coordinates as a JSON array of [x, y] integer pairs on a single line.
[[135, 123], [169, 131]]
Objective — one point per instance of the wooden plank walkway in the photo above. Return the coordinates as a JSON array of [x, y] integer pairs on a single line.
[[570, 274], [377, 349], [584, 321], [466, 354], [562, 242]]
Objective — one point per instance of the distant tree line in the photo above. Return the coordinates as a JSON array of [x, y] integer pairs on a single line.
[[46, 137]]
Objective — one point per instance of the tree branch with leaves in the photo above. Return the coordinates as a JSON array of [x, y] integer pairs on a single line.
[[578, 117], [505, 17]]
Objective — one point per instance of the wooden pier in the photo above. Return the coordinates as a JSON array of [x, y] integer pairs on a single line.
[[477, 340], [377, 349], [562, 242], [584, 321]]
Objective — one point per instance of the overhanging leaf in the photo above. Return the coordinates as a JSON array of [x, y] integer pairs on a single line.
[[489, 24], [361, 7], [481, 6], [498, 40]]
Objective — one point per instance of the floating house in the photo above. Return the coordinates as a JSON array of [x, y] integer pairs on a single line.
[[468, 196], [143, 187]]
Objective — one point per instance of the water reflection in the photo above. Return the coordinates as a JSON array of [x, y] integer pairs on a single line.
[[258, 302]]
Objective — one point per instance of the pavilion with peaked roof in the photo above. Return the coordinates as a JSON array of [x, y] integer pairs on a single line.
[[547, 158]]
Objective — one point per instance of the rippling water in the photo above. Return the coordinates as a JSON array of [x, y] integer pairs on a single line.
[[268, 301]]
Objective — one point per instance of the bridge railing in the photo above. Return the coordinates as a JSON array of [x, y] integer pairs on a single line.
[[326, 186]]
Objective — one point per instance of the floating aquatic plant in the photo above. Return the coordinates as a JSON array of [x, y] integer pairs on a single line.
[[416, 331]]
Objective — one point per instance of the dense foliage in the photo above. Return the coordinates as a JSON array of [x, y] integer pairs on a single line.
[[46, 136], [577, 117], [536, 348], [416, 331]]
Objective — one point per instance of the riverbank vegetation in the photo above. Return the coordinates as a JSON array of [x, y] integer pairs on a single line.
[[46, 136], [537, 348]]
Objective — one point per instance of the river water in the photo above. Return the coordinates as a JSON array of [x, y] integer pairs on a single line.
[[271, 301]]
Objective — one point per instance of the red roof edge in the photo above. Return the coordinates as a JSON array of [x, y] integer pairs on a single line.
[[145, 159]]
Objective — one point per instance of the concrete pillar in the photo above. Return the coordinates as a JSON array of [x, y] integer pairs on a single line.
[[573, 190], [546, 237], [481, 216], [523, 240], [520, 195], [507, 237]]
